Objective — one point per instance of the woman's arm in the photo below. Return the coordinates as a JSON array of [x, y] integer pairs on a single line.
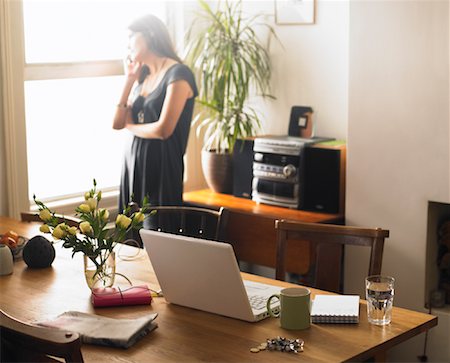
[[177, 94], [123, 110]]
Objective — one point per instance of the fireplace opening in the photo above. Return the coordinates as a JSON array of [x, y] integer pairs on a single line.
[[438, 256], [443, 259]]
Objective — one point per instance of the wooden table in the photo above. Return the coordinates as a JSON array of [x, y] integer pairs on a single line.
[[186, 334], [251, 229]]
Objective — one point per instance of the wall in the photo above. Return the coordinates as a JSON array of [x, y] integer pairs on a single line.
[[398, 136], [310, 68]]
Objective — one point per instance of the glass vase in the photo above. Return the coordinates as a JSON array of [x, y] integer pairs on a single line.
[[102, 272]]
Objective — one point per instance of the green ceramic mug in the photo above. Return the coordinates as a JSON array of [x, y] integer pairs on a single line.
[[295, 308]]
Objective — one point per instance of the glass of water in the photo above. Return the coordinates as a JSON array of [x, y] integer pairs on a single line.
[[380, 297]]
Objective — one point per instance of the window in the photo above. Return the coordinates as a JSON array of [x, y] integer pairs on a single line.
[[73, 79]]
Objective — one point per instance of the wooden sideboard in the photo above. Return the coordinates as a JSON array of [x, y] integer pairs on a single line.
[[251, 228]]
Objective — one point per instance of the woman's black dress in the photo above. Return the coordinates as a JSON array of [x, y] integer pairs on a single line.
[[155, 167]]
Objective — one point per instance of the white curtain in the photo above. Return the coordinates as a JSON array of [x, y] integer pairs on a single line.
[[13, 179]]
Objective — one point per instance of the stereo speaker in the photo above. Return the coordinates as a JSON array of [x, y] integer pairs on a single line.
[[323, 187], [243, 168]]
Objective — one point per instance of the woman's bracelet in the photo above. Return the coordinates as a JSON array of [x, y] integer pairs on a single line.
[[122, 105]]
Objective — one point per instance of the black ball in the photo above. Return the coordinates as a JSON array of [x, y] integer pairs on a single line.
[[38, 252]]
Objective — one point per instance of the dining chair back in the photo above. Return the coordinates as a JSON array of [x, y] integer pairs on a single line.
[[325, 243], [22, 342], [34, 217], [190, 221]]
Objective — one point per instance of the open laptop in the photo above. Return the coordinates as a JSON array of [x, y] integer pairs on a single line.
[[204, 275]]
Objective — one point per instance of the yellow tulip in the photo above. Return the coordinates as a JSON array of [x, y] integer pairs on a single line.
[[45, 215], [92, 203], [139, 217], [104, 214], [87, 195], [73, 231], [86, 228], [123, 221], [59, 233], [44, 228], [99, 196], [63, 226], [84, 208]]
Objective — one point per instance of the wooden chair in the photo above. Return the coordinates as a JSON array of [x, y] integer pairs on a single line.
[[326, 245], [190, 221], [22, 342], [34, 217]]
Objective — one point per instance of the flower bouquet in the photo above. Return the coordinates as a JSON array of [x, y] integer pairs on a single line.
[[95, 237]]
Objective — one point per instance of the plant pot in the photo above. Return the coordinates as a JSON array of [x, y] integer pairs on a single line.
[[102, 272], [218, 171]]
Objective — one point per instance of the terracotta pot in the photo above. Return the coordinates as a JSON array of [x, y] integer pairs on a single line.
[[218, 171]]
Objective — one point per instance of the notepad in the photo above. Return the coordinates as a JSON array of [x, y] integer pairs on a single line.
[[335, 309]]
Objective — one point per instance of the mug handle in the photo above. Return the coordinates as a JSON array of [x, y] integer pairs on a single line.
[[269, 308]]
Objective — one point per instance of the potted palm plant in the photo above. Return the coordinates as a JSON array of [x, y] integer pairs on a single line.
[[229, 62]]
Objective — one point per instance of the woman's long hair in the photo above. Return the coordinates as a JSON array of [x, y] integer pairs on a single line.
[[157, 37]]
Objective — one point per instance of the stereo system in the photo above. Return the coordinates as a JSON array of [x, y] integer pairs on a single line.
[[291, 172], [276, 170]]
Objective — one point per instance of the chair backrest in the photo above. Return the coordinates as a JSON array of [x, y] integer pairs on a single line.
[[325, 242], [22, 342], [34, 217], [190, 221]]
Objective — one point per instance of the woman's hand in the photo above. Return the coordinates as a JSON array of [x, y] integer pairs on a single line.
[[132, 68]]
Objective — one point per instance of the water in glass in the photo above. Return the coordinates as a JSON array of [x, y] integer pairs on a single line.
[[380, 298]]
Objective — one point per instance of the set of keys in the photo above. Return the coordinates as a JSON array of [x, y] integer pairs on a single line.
[[280, 344]]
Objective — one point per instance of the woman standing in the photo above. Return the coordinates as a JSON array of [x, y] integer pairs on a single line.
[[156, 105]]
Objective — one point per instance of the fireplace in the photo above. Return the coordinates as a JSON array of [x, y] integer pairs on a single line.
[[438, 255], [443, 259]]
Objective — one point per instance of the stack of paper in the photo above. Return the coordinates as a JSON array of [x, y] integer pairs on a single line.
[[335, 309]]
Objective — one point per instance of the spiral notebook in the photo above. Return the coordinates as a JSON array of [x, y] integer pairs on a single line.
[[335, 309]]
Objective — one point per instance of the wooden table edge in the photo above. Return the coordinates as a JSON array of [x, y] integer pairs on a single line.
[[385, 346]]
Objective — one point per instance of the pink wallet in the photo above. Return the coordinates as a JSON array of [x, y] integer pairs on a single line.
[[115, 296]]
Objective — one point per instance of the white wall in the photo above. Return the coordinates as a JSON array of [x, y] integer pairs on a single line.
[[398, 137], [312, 70], [309, 69]]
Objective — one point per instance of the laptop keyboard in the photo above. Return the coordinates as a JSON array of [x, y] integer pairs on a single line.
[[258, 302]]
